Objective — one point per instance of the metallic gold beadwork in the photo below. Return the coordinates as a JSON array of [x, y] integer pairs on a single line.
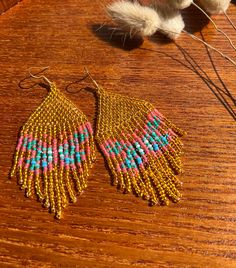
[[54, 153], [141, 146]]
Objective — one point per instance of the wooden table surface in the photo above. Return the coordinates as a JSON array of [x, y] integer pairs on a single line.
[[106, 228]]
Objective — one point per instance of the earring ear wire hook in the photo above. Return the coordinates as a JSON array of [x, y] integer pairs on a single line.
[[22, 85], [87, 74], [76, 82], [40, 77], [90, 76]]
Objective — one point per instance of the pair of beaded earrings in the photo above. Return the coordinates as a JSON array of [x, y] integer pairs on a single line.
[[56, 149]]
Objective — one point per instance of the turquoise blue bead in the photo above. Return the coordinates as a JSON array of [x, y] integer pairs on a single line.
[[133, 165], [67, 160], [156, 123], [33, 162], [155, 147], [116, 151], [137, 145], [44, 163], [139, 160]]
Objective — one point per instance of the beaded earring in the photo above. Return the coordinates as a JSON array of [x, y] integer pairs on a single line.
[[55, 151], [142, 148]]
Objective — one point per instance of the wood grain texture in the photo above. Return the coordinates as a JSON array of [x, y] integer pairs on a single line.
[[6, 4], [106, 228]]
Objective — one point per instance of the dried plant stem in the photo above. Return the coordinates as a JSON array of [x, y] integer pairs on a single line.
[[210, 46], [216, 27], [229, 19]]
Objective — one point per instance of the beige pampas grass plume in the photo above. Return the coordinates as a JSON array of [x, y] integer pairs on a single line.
[[172, 23], [179, 4], [172, 26], [169, 5], [134, 18], [215, 6]]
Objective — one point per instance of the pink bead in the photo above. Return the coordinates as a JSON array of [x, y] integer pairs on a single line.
[[141, 166], [171, 132], [19, 143], [26, 166], [123, 154], [88, 150], [20, 162], [73, 166], [164, 148], [79, 166], [150, 116], [156, 112], [144, 157], [122, 142], [104, 150], [107, 142], [118, 169], [90, 130], [124, 169]]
